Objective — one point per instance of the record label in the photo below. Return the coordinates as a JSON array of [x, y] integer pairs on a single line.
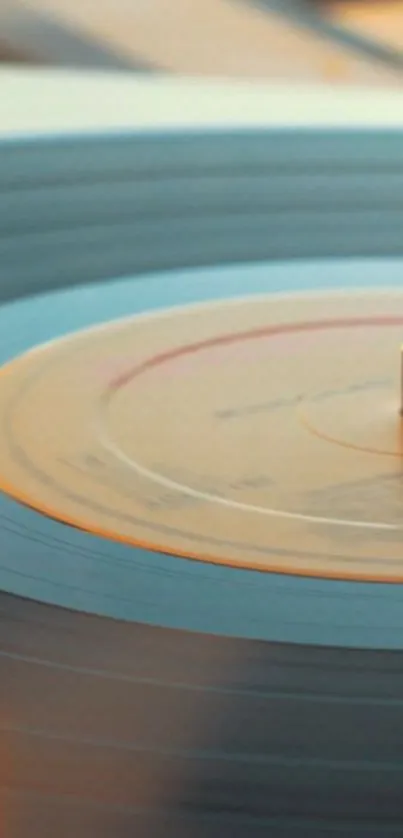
[[260, 433]]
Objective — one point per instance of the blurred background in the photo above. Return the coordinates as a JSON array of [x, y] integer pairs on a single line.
[[338, 41]]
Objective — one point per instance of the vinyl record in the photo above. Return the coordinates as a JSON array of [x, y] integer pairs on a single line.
[[200, 471]]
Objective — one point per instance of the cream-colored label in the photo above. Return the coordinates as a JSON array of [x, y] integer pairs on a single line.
[[262, 433]]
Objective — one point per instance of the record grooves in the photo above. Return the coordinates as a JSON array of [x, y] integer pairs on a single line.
[[209, 399]]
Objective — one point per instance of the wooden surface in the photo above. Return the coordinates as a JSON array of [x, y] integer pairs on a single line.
[[226, 38], [381, 20]]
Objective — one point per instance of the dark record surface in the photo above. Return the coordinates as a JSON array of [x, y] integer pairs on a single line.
[[119, 729], [216, 701]]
